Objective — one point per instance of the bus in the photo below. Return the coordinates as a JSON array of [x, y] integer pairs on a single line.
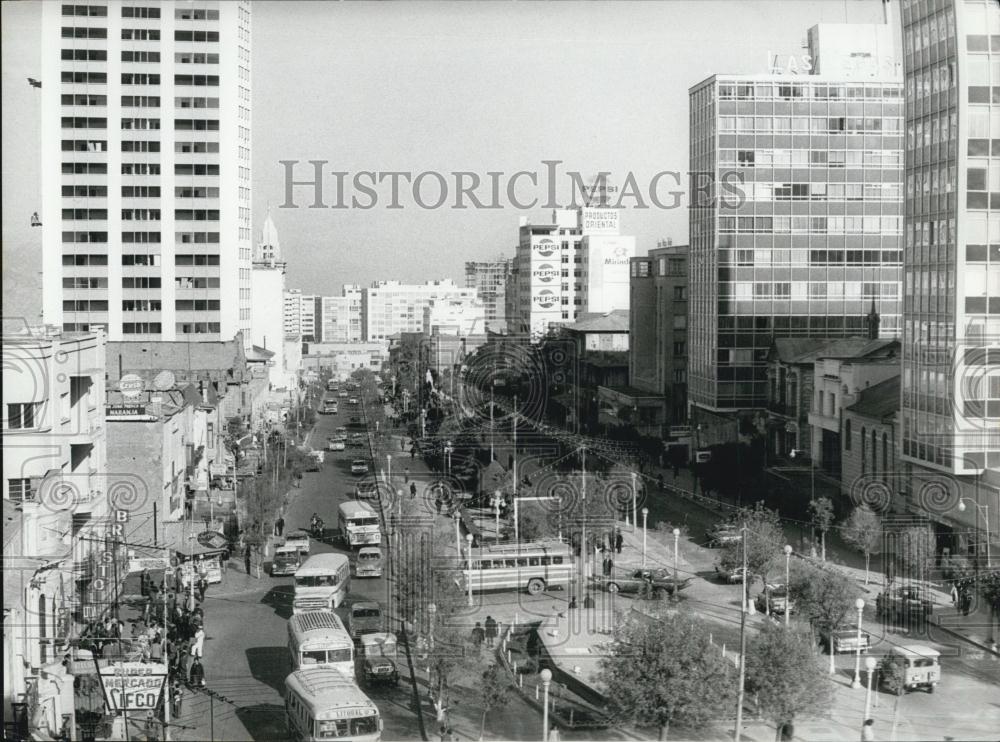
[[331, 385], [534, 567], [319, 639], [321, 583], [323, 704], [359, 524]]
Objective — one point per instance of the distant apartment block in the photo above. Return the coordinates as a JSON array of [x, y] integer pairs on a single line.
[[391, 307], [489, 278]]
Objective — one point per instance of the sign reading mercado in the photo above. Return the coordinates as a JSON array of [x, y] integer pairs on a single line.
[[133, 686]]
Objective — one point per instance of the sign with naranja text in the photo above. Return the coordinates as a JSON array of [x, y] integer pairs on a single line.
[[133, 686]]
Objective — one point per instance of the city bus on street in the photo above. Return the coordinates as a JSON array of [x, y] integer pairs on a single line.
[[319, 639], [323, 704], [534, 567], [359, 524], [321, 583]]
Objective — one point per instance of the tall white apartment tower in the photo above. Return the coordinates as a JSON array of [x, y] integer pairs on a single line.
[[146, 210]]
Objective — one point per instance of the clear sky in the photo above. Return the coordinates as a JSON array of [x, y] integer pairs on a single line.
[[488, 86]]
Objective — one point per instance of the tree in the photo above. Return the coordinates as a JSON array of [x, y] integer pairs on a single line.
[[493, 694], [914, 549], [667, 673], [764, 540], [821, 512], [781, 669], [824, 597], [863, 530]]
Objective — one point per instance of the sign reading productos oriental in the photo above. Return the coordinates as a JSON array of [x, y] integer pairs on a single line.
[[600, 221], [133, 686]]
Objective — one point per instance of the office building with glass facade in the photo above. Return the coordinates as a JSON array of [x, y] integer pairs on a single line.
[[795, 221], [950, 400]]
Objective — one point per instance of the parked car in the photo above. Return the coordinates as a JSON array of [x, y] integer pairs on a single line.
[[336, 444], [359, 466], [845, 640], [723, 534], [904, 602], [779, 600], [645, 582], [365, 617], [732, 575]]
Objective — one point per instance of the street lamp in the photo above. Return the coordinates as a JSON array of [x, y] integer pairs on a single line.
[[634, 502], [458, 534], [496, 511], [870, 664], [468, 538], [677, 537], [388, 469], [432, 610], [788, 591], [856, 683], [985, 510], [546, 676], [645, 513]]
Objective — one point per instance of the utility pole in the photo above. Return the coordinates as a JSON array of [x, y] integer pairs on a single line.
[[743, 641], [517, 534], [163, 652]]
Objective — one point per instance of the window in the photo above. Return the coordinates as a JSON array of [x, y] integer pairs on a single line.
[[680, 293], [23, 415], [20, 490], [679, 348]]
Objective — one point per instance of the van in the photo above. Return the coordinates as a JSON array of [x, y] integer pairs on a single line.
[[910, 666]]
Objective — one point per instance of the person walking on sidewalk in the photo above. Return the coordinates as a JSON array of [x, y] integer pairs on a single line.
[[413, 490], [491, 631], [176, 699], [197, 675], [202, 587], [954, 595], [618, 540], [246, 558], [198, 647], [279, 526], [478, 635]]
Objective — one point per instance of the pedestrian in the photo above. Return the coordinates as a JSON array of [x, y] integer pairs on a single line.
[[177, 699], [607, 566], [154, 591], [413, 490], [413, 452], [197, 675], [588, 601], [954, 595], [178, 579], [402, 444], [572, 603], [202, 587], [868, 731], [246, 558], [478, 635], [618, 541], [198, 646], [147, 604], [183, 656], [554, 734], [144, 583], [491, 631], [279, 526], [156, 647]]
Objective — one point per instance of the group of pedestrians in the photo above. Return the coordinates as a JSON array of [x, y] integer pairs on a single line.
[[961, 596], [487, 634]]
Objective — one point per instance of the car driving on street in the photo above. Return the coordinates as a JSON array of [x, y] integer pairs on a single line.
[[645, 582], [359, 466], [365, 617]]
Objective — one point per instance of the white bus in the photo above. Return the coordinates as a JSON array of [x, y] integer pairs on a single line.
[[359, 524], [319, 639], [321, 583], [323, 704], [534, 567]]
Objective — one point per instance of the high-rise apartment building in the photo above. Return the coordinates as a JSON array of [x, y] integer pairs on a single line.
[[300, 314], [390, 307], [489, 278], [577, 264], [950, 402], [340, 316], [802, 229], [145, 169]]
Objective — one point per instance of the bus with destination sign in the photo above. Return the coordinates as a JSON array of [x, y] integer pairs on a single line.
[[320, 639], [323, 704]]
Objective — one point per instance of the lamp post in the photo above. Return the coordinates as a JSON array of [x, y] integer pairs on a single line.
[[546, 676], [677, 541], [645, 513], [856, 683], [458, 534], [635, 499], [788, 591], [496, 511], [870, 664], [388, 469], [432, 610], [468, 539]]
